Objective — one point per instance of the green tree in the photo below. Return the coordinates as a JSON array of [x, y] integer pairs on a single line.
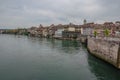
[[106, 32], [95, 33]]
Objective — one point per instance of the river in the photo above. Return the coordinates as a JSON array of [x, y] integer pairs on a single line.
[[30, 58]]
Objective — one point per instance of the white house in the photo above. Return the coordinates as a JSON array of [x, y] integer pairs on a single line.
[[59, 30], [87, 29]]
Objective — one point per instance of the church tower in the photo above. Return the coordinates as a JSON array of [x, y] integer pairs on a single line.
[[85, 21]]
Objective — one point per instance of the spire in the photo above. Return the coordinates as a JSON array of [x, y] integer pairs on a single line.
[[85, 21], [40, 25]]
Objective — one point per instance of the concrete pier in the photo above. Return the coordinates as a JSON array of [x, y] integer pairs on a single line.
[[106, 49]]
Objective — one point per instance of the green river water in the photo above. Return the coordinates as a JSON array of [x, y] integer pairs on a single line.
[[29, 58]]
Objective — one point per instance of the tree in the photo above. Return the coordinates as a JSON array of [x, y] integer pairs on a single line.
[[95, 33], [106, 32]]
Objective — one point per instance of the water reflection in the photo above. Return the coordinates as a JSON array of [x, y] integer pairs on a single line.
[[67, 43], [102, 70], [65, 46]]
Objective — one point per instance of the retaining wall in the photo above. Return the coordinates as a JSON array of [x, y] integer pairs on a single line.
[[105, 49]]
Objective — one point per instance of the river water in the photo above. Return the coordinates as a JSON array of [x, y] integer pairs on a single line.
[[29, 58]]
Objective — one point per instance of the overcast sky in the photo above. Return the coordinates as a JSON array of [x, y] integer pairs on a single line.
[[27, 13]]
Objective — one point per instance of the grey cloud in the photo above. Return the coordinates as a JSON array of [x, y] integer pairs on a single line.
[[25, 13]]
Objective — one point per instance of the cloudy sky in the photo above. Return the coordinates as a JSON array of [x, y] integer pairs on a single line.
[[27, 13]]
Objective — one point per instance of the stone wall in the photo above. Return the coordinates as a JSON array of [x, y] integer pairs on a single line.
[[105, 49], [119, 57]]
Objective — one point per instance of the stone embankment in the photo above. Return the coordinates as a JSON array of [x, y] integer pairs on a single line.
[[107, 49]]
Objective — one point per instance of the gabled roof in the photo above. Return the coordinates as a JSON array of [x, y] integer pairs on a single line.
[[117, 22], [108, 23]]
